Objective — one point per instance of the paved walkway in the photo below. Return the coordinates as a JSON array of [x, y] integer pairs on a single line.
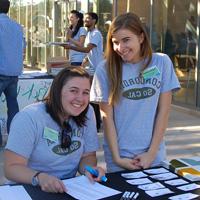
[[182, 137]]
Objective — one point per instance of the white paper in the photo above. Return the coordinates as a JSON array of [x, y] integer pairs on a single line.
[[186, 196], [151, 186], [13, 193], [20, 192], [189, 187], [176, 182], [192, 177], [139, 181], [160, 192], [81, 188], [56, 43], [156, 171], [134, 175], [33, 74], [165, 176]]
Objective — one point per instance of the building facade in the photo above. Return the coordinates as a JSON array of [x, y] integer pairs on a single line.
[[173, 28]]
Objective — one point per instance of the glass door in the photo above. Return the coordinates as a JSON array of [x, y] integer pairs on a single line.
[[177, 30]]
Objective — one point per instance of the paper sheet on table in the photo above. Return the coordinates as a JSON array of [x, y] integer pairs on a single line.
[[134, 175], [165, 176], [139, 181], [156, 171], [13, 193], [159, 192], [189, 187], [81, 188], [186, 196], [151, 186], [175, 182]]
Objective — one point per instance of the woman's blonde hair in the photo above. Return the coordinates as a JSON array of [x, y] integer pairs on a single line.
[[131, 22]]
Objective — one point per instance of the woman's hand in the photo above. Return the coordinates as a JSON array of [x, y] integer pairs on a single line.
[[50, 183], [68, 34], [101, 172], [128, 163], [144, 160], [84, 63], [66, 46]]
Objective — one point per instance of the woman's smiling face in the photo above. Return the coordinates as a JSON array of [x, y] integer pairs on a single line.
[[75, 96], [127, 45]]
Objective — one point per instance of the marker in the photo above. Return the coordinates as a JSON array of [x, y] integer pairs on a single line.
[[124, 196], [95, 172], [136, 196], [131, 195]]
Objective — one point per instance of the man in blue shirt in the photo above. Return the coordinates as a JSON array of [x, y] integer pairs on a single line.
[[11, 60]]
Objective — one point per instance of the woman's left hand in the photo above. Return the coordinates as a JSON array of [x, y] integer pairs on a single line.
[[66, 46], [145, 160], [101, 172]]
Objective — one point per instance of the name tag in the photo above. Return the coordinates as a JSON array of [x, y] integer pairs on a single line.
[[150, 72], [50, 134]]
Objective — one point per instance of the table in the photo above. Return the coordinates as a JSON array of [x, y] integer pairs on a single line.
[[115, 181]]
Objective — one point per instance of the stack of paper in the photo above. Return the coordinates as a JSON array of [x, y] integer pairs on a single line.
[[81, 188]]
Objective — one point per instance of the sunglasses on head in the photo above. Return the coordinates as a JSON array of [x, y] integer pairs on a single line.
[[65, 137]]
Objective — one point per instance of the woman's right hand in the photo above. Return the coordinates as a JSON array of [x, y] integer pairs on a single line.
[[127, 163], [68, 33], [50, 183]]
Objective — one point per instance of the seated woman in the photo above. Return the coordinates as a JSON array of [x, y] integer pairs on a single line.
[[56, 138]]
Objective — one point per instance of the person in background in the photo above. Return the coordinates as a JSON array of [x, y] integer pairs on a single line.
[[11, 60], [93, 46], [76, 36], [133, 87], [94, 49], [53, 139], [106, 28], [107, 25]]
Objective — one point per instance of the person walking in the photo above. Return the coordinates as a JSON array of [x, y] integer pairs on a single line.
[[11, 59], [133, 87]]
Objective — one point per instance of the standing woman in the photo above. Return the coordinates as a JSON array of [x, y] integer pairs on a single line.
[[76, 36], [133, 87], [53, 139]]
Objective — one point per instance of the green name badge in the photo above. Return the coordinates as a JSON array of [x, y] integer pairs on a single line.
[[50, 134], [150, 72]]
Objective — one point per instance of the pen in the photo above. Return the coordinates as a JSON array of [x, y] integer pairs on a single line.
[[136, 196], [95, 172]]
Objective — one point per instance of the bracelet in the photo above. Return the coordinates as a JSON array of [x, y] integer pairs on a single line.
[[37, 174], [35, 180]]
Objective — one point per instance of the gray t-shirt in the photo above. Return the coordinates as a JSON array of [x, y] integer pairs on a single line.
[[95, 56], [135, 114], [30, 137], [77, 56]]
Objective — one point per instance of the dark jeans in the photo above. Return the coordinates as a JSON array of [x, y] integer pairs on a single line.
[[8, 86], [97, 115], [1, 139]]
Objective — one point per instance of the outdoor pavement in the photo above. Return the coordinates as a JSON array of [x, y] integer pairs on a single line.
[[182, 137]]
